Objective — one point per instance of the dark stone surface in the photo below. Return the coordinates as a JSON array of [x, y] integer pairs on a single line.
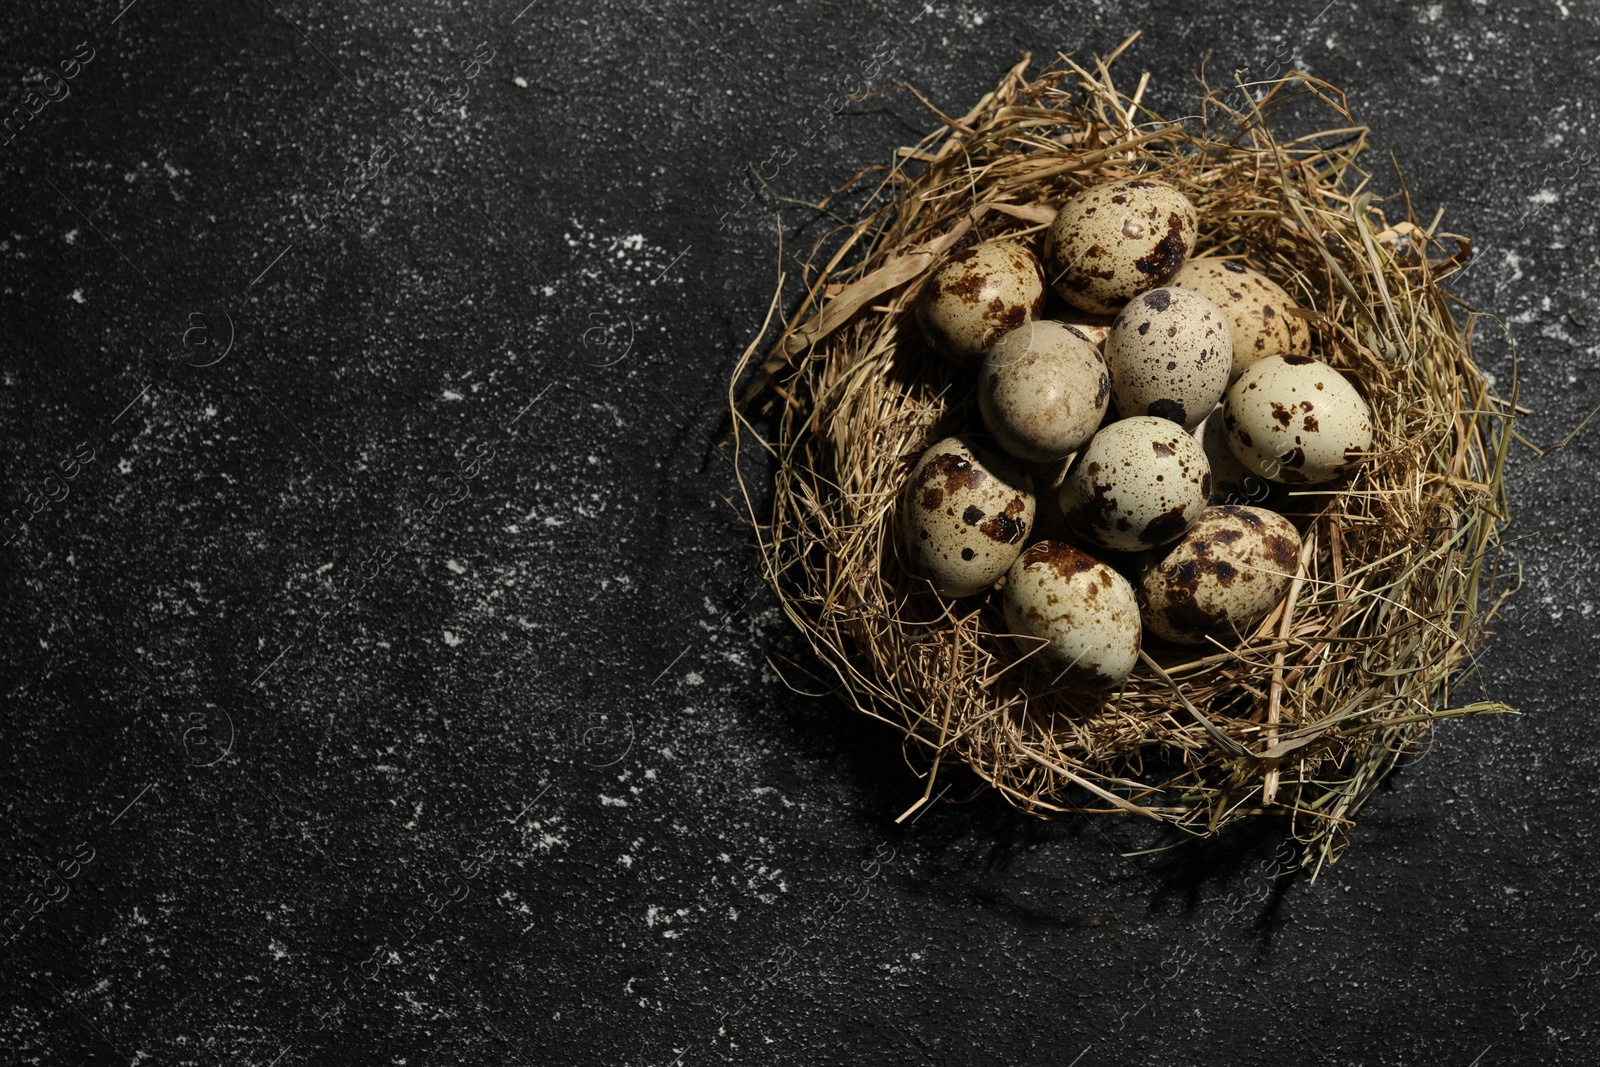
[[393, 690]]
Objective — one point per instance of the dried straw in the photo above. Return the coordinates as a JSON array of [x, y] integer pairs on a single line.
[[1398, 577]]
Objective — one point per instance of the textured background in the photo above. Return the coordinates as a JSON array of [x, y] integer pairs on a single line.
[[384, 673]]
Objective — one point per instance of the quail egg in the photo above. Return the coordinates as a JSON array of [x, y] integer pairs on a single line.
[[1085, 611], [1042, 391], [1109, 243], [1294, 419], [968, 510], [1139, 482], [1256, 307], [977, 295], [1222, 578], [1169, 353]]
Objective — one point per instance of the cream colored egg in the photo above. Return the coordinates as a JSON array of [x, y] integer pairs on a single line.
[[1109, 243], [1042, 391], [1169, 352], [1294, 419], [977, 296], [1084, 611], [1139, 482], [967, 512], [1222, 577], [1256, 307]]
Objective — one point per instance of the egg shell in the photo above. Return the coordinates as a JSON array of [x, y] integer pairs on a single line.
[[1292, 419], [1222, 577], [1231, 481], [1256, 307], [978, 295], [1139, 482], [1111, 242], [968, 510], [1085, 610], [1169, 352], [1042, 391]]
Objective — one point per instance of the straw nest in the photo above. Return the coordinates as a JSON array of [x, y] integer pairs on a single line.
[[1397, 578]]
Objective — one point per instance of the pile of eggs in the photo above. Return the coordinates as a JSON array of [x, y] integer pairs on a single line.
[[1128, 444]]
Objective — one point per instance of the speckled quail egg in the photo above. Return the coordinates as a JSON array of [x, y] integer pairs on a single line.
[[1256, 307], [1139, 482], [977, 296], [968, 510], [1231, 481], [1293, 419], [1169, 353], [1112, 242], [1085, 611], [1222, 578], [1042, 391]]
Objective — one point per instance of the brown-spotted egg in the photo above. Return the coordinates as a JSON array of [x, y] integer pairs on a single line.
[[1111, 242], [1222, 577], [968, 510], [1042, 391], [978, 295], [1139, 482], [1256, 307], [1084, 611], [1294, 419], [1169, 352]]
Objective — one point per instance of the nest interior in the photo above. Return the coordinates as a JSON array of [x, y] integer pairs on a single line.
[[1398, 576]]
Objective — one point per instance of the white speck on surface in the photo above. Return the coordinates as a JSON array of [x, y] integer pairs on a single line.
[[451, 394], [612, 802], [455, 568], [77, 295], [520, 82], [451, 639]]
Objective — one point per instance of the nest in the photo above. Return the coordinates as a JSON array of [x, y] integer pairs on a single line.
[[1398, 576]]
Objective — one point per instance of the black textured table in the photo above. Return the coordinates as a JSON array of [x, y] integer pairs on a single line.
[[385, 673]]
